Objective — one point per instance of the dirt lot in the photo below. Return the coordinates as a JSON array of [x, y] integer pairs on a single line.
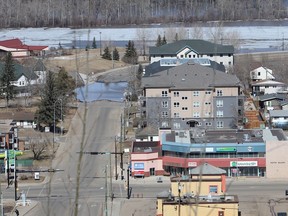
[[84, 61]]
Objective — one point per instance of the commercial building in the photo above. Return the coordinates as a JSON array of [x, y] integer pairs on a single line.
[[201, 193]]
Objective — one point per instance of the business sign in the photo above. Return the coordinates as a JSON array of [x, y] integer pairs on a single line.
[[243, 163], [192, 164], [226, 149], [196, 150], [138, 166], [10, 154], [138, 172], [209, 149]]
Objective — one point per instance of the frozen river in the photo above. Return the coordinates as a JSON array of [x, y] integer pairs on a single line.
[[254, 37]]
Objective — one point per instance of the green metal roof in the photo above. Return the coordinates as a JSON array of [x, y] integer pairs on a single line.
[[198, 46], [19, 71]]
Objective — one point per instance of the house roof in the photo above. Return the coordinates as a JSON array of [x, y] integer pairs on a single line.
[[19, 71], [145, 132], [17, 44], [17, 116], [190, 76], [156, 67], [33, 63], [278, 113], [267, 97], [207, 169], [267, 83], [198, 46]]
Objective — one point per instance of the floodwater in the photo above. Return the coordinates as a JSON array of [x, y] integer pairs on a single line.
[[102, 91]]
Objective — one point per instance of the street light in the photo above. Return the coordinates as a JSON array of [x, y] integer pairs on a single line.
[[54, 124], [100, 44]]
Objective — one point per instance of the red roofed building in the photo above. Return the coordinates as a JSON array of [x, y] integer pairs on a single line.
[[18, 49]]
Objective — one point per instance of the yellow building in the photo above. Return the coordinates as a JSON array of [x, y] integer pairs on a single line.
[[202, 193]]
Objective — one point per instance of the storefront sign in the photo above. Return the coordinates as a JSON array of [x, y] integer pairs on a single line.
[[192, 164], [196, 150], [209, 149], [138, 166], [138, 172], [226, 149], [243, 163]]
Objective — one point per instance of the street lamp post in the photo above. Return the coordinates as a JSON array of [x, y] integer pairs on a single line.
[[100, 44]]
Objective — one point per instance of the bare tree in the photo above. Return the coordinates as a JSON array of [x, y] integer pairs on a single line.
[[38, 147]]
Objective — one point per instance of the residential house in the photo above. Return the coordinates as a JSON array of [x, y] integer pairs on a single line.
[[8, 134], [271, 101], [191, 49], [20, 50], [20, 119], [173, 97], [278, 118], [261, 73], [267, 87], [37, 66]]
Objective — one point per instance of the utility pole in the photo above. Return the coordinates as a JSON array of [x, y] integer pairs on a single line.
[[128, 185], [111, 192], [116, 174], [106, 194]]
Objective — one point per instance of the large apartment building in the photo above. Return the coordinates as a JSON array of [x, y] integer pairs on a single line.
[[190, 92]]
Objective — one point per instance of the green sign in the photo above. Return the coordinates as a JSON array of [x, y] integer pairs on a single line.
[[226, 149], [11, 156]]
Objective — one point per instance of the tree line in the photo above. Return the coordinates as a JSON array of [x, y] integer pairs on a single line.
[[86, 13]]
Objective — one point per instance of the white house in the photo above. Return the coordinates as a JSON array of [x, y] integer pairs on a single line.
[[267, 87], [261, 73], [191, 49]]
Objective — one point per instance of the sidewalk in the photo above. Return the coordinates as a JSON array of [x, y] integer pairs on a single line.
[[19, 205]]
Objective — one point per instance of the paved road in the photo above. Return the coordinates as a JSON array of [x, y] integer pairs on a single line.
[[93, 131]]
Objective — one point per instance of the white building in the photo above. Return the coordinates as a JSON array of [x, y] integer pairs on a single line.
[[191, 49], [261, 73]]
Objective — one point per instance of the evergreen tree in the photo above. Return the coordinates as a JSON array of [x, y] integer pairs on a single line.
[[107, 54], [163, 42], [64, 83], [159, 41], [45, 112], [7, 78], [130, 55], [116, 56], [94, 45]]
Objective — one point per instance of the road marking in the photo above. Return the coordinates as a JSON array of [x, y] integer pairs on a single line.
[[120, 189], [42, 190]]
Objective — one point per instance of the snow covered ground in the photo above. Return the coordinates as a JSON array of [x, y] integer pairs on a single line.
[[252, 37]]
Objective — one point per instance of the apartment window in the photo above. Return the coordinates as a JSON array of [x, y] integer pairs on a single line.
[[207, 103], [259, 73], [176, 94], [220, 124], [194, 56], [219, 93], [176, 125], [213, 189], [208, 124], [196, 104], [219, 103], [221, 55], [189, 56], [184, 98], [207, 114], [196, 93], [164, 114], [221, 63], [229, 63], [20, 83], [176, 115], [164, 94], [229, 55], [164, 104], [211, 55], [207, 92], [199, 124], [219, 113], [164, 124], [196, 114], [184, 108], [176, 104], [181, 56]]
